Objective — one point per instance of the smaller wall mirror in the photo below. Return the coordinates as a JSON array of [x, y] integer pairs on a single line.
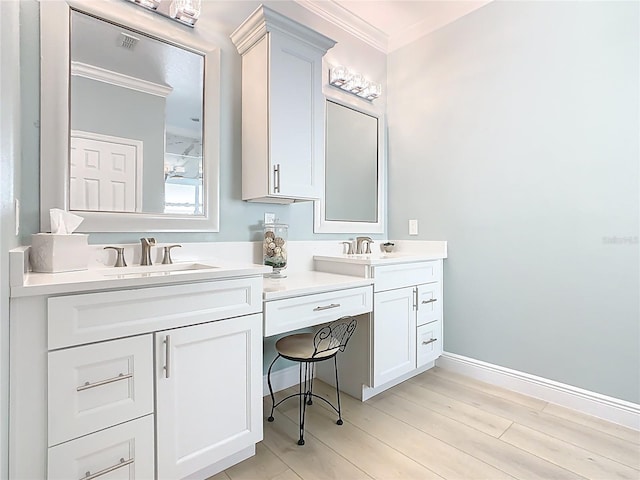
[[353, 174], [129, 119]]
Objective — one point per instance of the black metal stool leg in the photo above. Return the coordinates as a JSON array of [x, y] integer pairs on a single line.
[[335, 363], [273, 398], [302, 400], [313, 371]]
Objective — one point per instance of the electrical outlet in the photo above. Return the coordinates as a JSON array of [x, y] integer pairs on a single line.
[[413, 227], [269, 218]]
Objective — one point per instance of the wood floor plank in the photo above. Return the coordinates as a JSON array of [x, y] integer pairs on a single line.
[[576, 459], [264, 464], [620, 431], [440, 423], [515, 397], [481, 420], [487, 448], [312, 461], [367, 452], [568, 431], [438, 456], [288, 475], [219, 476]]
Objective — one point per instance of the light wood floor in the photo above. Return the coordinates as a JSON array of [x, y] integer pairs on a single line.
[[440, 425]]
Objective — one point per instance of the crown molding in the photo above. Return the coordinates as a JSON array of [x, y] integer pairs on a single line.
[[336, 14], [119, 79], [264, 20]]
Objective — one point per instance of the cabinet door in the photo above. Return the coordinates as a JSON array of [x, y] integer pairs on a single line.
[[208, 393], [296, 118], [394, 334]]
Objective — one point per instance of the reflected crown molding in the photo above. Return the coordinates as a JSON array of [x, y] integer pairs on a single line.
[[80, 69]]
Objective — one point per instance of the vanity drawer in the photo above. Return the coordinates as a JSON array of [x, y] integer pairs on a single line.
[[429, 343], [429, 303], [305, 311], [78, 319], [125, 451], [95, 386], [388, 277]]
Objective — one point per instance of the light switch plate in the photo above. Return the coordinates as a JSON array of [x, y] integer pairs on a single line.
[[413, 227]]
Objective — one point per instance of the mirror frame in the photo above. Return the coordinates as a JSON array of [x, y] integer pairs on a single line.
[[55, 126], [320, 223]]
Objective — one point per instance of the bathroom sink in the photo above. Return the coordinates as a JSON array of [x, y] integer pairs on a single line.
[[155, 270]]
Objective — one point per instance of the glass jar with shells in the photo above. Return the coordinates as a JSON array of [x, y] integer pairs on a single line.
[[275, 248]]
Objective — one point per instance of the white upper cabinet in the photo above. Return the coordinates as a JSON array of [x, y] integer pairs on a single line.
[[282, 108]]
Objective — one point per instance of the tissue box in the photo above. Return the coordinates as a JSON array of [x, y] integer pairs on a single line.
[[54, 253]]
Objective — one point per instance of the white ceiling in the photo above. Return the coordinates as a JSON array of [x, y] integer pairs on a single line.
[[390, 24]]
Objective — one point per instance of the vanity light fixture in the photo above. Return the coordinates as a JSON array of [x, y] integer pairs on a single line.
[[183, 11], [355, 83]]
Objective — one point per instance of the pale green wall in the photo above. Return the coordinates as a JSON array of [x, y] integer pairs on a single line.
[[514, 136]]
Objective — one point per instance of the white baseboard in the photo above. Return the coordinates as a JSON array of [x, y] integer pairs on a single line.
[[281, 379], [592, 403]]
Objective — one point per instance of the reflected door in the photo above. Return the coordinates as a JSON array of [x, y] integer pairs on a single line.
[[105, 174]]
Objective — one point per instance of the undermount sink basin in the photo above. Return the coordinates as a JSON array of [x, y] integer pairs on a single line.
[[154, 270]]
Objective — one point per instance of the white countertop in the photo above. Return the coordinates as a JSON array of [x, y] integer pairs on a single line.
[[384, 258], [127, 277], [307, 283]]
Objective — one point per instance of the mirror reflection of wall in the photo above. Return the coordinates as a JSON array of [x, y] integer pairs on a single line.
[[136, 114], [351, 165]]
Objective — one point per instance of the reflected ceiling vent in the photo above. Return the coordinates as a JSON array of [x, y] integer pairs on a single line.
[[127, 41]]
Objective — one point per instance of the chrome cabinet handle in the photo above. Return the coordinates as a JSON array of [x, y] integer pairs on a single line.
[[430, 341], [88, 385], [167, 355], [276, 178], [430, 300], [326, 307], [415, 298], [123, 463]]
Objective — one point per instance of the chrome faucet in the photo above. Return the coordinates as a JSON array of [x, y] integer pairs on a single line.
[[360, 244], [145, 257]]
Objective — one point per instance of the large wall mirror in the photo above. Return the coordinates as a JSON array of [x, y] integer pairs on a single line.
[[353, 173], [130, 120]]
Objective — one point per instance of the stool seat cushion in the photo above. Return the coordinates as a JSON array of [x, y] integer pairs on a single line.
[[300, 346]]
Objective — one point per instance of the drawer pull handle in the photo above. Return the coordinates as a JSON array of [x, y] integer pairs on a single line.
[[326, 307], [123, 463], [88, 385], [167, 356], [430, 300], [427, 342]]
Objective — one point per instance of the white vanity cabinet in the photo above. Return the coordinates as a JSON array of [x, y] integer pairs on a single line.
[[406, 310], [405, 333], [140, 383], [282, 108]]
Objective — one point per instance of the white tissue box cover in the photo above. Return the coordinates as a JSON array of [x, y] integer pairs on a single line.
[[54, 253]]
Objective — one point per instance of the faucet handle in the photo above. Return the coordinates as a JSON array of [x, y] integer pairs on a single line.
[[166, 257], [349, 248], [368, 242], [120, 261]]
